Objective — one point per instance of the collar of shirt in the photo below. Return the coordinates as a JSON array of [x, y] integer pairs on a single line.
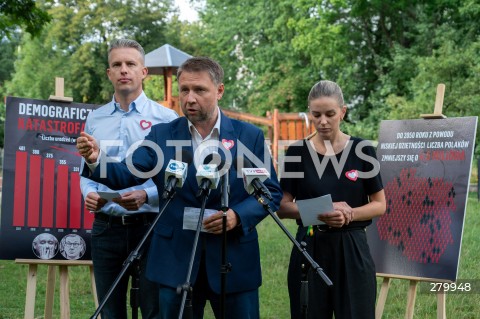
[[214, 134], [136, 105]]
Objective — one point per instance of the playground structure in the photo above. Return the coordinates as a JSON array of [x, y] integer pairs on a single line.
[[277, 126]]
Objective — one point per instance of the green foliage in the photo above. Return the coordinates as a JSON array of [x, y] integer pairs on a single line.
[[75, 46], [387, 56], [7, 57], [21, 13], [252, 41]]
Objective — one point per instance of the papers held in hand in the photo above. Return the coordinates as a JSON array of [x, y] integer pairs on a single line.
[[109, 195], [311, 208]]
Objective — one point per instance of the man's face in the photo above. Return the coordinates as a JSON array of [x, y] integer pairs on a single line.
[[126, 71], [45, 245], [73, 246], [199, 96]]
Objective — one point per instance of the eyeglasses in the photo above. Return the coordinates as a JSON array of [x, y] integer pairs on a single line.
[[72, 244]]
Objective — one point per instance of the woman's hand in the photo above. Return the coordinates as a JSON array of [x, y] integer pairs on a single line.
[[346, 210], [342, 215]]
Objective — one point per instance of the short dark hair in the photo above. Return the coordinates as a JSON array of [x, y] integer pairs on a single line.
[[126, 43], [326, 88], [200, 64]]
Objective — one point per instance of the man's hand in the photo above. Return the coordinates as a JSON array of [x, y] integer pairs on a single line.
[[94, 202], [132, 200], [88, 148], [213, 224]]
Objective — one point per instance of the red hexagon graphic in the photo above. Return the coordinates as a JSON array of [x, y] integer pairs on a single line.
[[417, 220]]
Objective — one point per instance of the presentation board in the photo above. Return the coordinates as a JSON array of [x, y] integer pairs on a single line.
[[43, 214], [425, 167]]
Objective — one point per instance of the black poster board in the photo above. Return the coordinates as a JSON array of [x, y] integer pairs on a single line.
[[425, 167], [43, 214]]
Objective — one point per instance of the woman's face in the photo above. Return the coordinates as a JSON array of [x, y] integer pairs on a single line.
[[327, 115]]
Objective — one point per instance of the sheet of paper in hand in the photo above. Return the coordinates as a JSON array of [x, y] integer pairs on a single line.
[[311, 208], [109, 195]]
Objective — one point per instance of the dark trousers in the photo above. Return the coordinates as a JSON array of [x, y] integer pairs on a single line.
[[345, 258], [242, 305], [111, 245]]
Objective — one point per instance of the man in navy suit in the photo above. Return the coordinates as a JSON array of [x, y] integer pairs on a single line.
[[204, 129]]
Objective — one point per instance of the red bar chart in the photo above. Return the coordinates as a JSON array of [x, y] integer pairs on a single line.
[[47, 193], [20, 189]]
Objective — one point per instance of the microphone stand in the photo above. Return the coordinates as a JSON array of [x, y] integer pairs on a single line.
[[134, 256], [265, 203], [186, 288], [304, 290], [226, 266]]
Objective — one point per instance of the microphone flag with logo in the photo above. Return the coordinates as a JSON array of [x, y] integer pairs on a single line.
[[176, 172], [253, 178]]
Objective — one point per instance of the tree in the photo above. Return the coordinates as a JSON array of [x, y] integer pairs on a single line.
[[7, 56], [75, 46], [252, 41], [21, 13]]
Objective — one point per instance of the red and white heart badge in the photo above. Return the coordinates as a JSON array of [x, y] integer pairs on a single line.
[[352, 175], [144, 124], [228, 144]]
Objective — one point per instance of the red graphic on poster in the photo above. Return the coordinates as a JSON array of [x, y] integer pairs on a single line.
[[418, 208], [58, 183]]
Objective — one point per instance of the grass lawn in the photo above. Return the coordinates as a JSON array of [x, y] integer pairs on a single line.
[[275, 247]]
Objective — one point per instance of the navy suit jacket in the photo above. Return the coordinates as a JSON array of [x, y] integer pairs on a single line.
[[171, 246]]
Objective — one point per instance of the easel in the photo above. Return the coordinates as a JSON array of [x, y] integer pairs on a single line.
[[59, 92], [437, 111], [50, 289], [412, 289], [411, 296], [62, 264]]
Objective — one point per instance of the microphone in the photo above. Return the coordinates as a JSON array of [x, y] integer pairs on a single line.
[[176, 173], [253, 178], [207, 177]]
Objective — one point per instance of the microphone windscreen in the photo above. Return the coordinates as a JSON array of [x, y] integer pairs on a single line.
[[208, 172]]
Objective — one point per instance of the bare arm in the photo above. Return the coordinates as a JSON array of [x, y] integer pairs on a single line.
[[375, 208], [288, 209]]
